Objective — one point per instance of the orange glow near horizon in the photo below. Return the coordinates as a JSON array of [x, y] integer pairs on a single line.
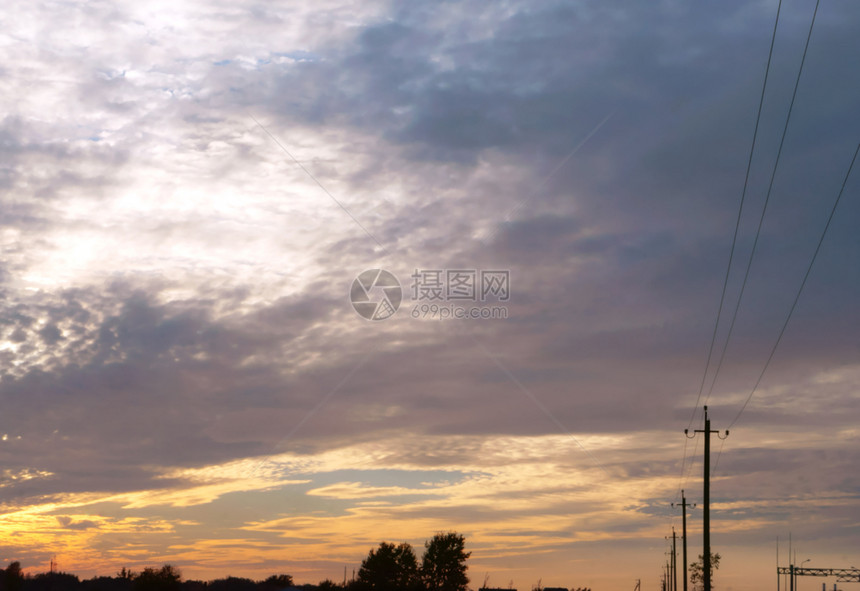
[[541, 506]]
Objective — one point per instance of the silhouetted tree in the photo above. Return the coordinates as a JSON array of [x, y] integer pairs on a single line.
[[118, 583], [329, 585], [52, 582], [697, 571], [232, 584], [126, 574], [443, 567], [276, 582], [13, 577], [389, 568], [164, 579], [193, 585]]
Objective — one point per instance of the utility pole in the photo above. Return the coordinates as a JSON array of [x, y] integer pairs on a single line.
[[706, 500], [684, 504], [672, 573], [674, 562]]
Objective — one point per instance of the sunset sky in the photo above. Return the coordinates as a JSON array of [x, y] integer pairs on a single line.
[[190, 189]]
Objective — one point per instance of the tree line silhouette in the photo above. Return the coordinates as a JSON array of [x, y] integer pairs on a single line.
[[166, 578], [389, 567]]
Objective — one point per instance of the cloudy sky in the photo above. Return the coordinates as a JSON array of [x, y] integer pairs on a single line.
[[189, 190]]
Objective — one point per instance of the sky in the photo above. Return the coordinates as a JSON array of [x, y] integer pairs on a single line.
[[192, 192]]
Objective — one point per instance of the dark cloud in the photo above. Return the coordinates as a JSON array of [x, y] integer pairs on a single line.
[[68, 523], [150, 384]]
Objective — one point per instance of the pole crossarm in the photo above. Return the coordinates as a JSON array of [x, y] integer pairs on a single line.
[[843, 575]]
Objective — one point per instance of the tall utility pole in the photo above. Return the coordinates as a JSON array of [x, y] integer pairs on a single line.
[[674, 562], [684, 504], [706, 500]]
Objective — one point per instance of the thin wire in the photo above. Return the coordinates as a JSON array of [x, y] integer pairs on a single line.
[[318, 406], [500, 365], [719, 453], [800, 289], [766, 201], [692, 464], [510, 213], [683, 463], [683, 478], [686, 476], [740, 212], [314, 179], [504, 369]]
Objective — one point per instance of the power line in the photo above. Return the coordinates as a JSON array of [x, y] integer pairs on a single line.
[[717, 462], [800, 289], [740, 212], [766, 201], [692, 464], [543, 408], [681, 478], [735, 235], [320, 185]]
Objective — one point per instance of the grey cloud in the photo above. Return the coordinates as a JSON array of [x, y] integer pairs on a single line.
[[68, 523], [134, 390], [50, 334]]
